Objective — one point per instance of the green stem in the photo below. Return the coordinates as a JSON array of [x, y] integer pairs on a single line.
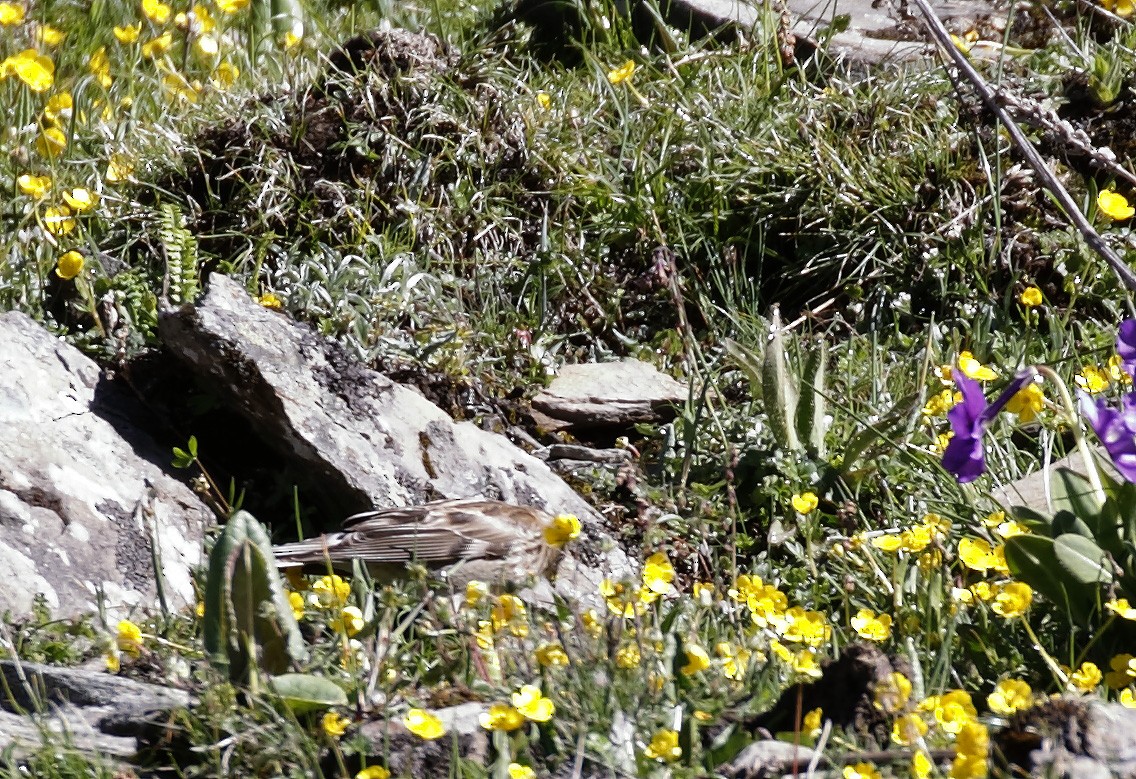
[[1078, 432], [1054, 666]]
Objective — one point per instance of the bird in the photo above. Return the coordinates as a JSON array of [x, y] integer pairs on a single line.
[[463, 540]]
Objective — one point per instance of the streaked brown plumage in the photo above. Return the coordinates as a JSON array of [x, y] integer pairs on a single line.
[[468, 539]]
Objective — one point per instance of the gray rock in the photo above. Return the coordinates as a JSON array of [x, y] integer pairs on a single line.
[[615, 394], [408, 755], [365, 441], [91, 712], [85, 507], [1072, 738], [1035, 490], [769, 758], [876, 31]]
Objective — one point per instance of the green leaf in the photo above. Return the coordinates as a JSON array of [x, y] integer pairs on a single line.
[[248, 621], [1033, 560], [1074, 493], [749, 361], [1036, 521], [777, 390], [302, 693], [811, 405], [1082, 559]]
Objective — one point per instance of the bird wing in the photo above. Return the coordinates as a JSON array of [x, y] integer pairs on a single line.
[[439, 533]]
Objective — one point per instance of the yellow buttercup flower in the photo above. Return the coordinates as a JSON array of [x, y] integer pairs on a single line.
[[224, 75], [349, 622], [868, 626], [1092, 379], [128, 34], [34, 69], [99, 65], [860, 771], [921, 765], [544, 100], [1027, 403], [908, 728], [156, 11], [696, 660], [562, 529], [951, 710], [270, 300], [1122, 671], [1012, 599], [69, 265], [119, 168], [296, 601], [57, 220], [501, 717], [973, 369], [51, 142], [1086, 678], [158, 46], [33, 186], [622, 73], [232, 6], [812, 721], [530, 702], [424, 724], [664, 746], [1114, 205], [658, 573], [518, 771], [50, 36], [804, 502], [1030, 297], [334, 724], [81, 200], [1127, 698], [1120, 608], [373, 772], [1010, 695], [331, 590], [11, 14], [129, 638], [551, 655]]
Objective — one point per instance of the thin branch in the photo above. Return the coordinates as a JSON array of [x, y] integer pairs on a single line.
[[990, 98]]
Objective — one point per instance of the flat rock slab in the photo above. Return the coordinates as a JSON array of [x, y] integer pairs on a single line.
[[91, 712], [1035, 491], [364, 440], [610, 394], [876, 31], [85, 507]]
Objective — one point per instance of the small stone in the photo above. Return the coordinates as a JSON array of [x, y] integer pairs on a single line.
[[610, 394]]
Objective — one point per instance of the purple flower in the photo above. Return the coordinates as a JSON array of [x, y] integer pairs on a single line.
[[1115, 429], [1126, 345], [964, 455]]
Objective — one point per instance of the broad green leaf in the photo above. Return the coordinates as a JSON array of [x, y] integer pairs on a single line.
[[1036, 521], [777, 390], [1033, 560], [1068, 522], [1072, 492], [302, 693], [749, 361], [1082, 559], [811, 404]]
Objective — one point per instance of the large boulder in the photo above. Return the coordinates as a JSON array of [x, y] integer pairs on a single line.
[[87, 510], [362, 440]]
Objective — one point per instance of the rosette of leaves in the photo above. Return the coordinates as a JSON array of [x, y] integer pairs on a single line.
[[248, 623], [1082, 553]]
